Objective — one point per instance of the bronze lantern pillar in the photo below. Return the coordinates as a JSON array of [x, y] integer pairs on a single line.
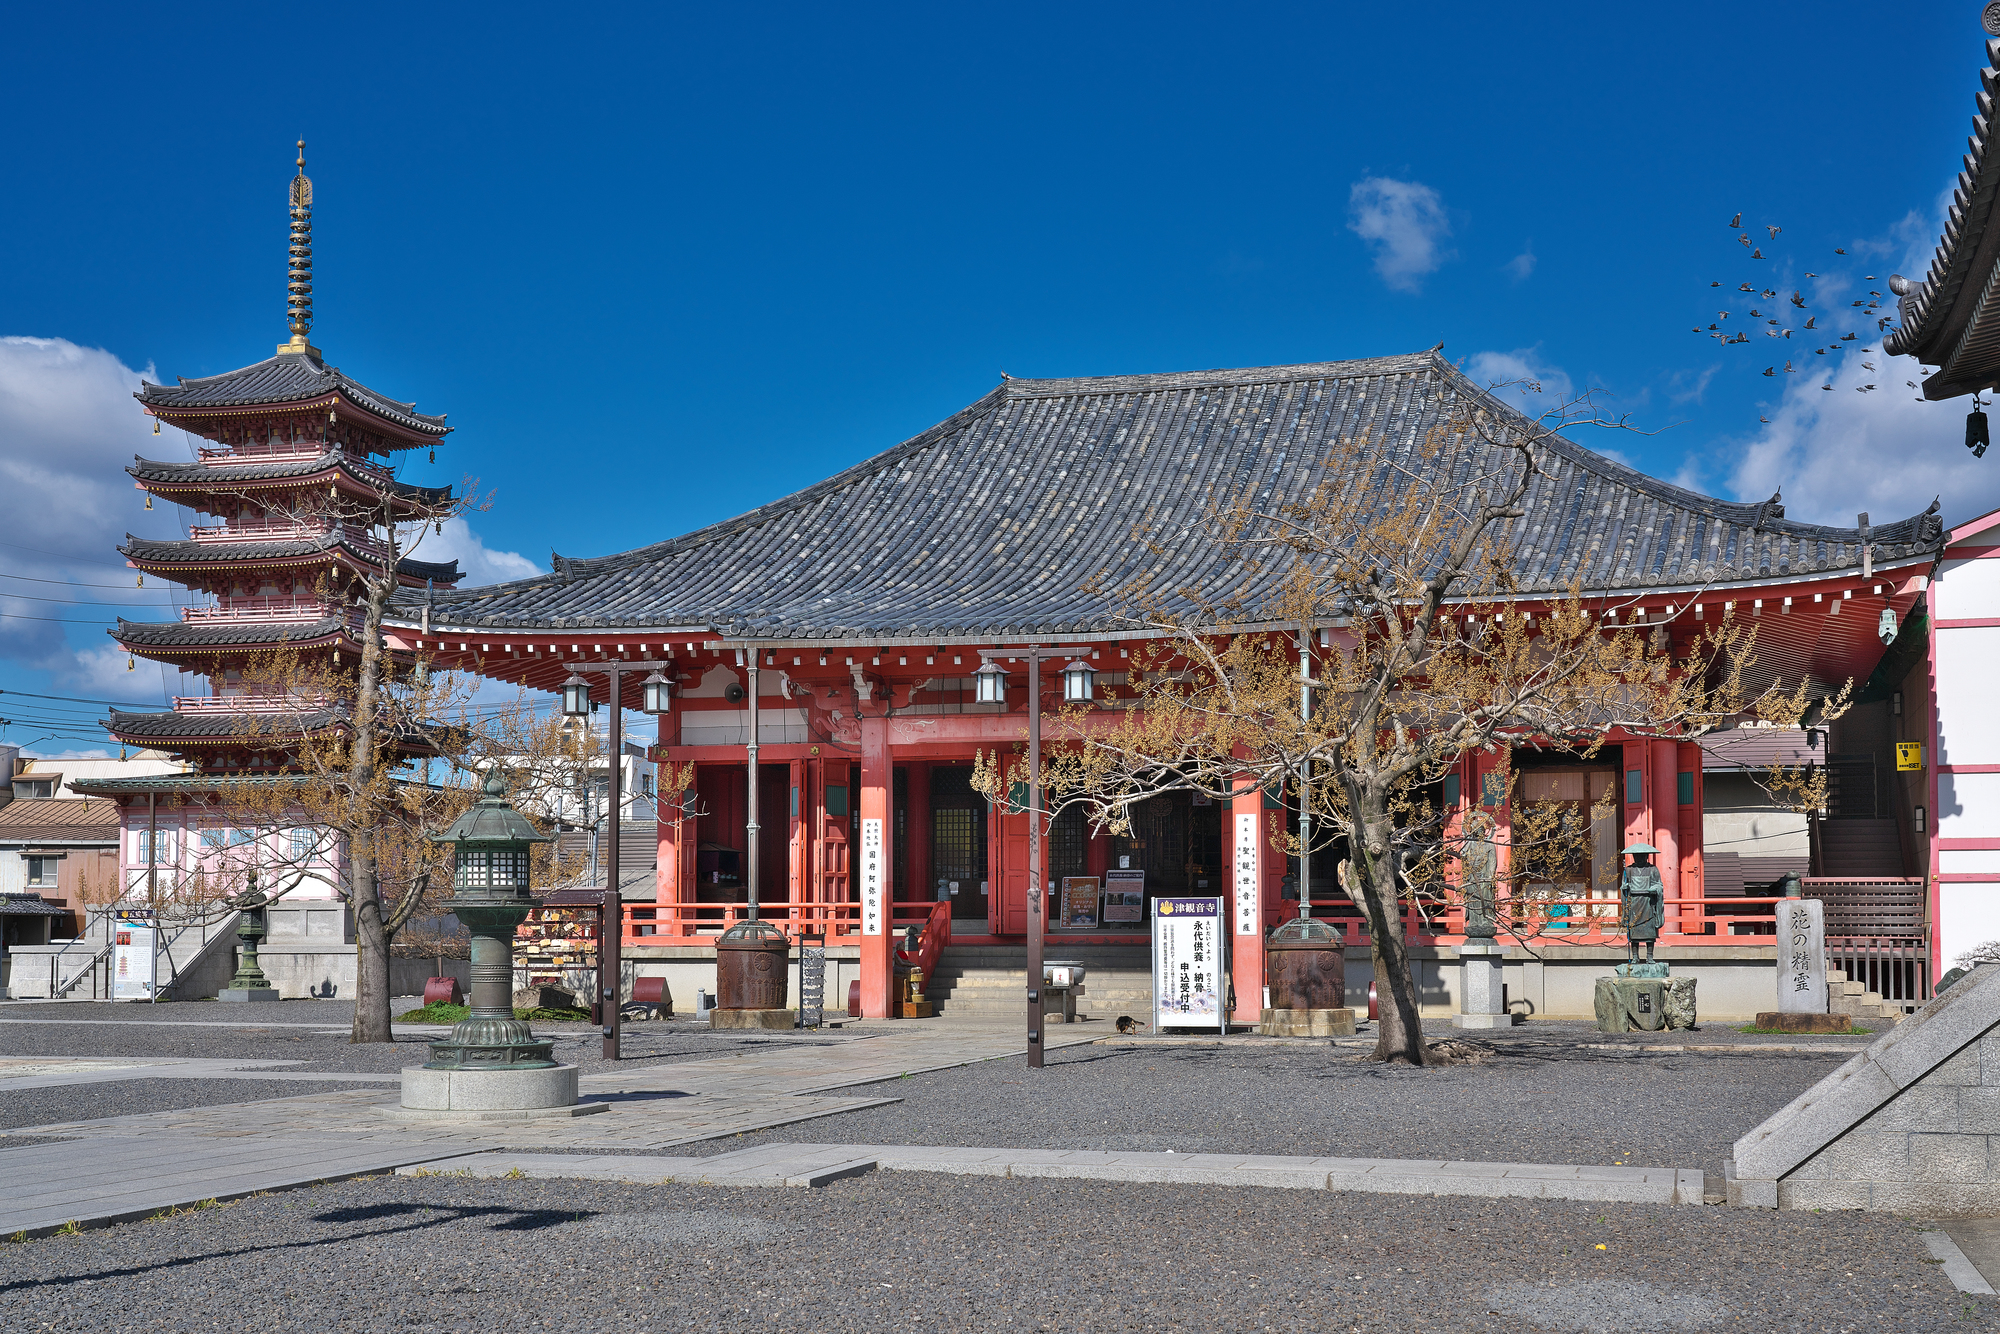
[[491, 844]]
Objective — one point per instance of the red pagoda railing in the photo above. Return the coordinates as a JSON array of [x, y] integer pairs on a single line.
[[281, 607], [674, 923]]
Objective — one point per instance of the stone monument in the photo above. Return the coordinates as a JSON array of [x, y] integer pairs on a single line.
[[1802, 989], [1482, 996]]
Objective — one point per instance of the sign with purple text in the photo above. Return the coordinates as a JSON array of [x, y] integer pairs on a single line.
[[1190, 949], [872, 876]]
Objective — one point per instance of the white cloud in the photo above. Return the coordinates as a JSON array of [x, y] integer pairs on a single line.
[[1839, 451], [1404, 223], [480, 563], [69, 428], [1518, 373], [1522, 266]]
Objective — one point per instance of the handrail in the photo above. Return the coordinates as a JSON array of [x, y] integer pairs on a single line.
[[657, 923], [936, 935]]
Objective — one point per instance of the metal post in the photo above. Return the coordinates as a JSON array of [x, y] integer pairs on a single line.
[[611, 933], [751, 862], [1034, 859], [1305, 774]]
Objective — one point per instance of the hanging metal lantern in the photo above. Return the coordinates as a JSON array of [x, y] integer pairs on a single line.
[[1885, 625], [656, 694], [575, 697], [1079, 682], [1976, 438], [992, 679]]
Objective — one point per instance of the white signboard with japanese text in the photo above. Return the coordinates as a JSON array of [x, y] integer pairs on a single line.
[[1801, 956], [132, 961], [1249, 908], [1190, 952], [873, 871]]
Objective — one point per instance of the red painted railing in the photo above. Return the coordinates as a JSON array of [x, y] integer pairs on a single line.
[[936, 935], [690, 923]]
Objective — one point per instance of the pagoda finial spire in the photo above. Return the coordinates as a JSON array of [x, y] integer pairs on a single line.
[[298, 304]]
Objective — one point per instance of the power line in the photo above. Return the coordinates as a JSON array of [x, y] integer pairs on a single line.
[[71, 699], [67, 583]]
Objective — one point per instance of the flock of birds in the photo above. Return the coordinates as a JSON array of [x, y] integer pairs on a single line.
[[1780, 320]]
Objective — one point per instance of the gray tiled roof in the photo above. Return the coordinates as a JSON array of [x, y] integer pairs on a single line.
[[222, 634], [992, 523], [1951, 317], [156, 552], [286, 378], [221, 477], [205, 723]]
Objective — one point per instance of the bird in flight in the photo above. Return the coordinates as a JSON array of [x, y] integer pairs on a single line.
[[1838, 251], [1736, 221], [1809, 322], [1773, 230]]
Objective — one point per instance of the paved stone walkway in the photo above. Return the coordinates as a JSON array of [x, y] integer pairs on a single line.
[[180, 1157]]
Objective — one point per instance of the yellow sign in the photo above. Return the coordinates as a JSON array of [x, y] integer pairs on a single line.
[[1909, 755]]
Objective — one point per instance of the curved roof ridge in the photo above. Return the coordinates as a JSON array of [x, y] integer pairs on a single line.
[[280, 379], [1014, 512]]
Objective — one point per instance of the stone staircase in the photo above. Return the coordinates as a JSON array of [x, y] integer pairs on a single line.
[[988, 981], [1857, 1002]]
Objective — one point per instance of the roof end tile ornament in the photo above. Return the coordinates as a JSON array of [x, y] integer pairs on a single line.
[[298, 298]]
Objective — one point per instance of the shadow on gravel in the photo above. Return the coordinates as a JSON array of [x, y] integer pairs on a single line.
[[436, 1215]]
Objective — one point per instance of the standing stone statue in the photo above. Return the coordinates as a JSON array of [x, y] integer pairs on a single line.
[[1642, 902], [1479, 863]]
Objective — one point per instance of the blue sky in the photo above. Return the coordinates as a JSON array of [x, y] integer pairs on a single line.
[[661, 264]]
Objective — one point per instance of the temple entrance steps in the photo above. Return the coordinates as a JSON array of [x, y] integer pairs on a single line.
[[989, 981], [1860, 848], [1857, 1001]]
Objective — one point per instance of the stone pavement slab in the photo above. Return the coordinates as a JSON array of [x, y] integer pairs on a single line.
[[815, 1164], [92, 1183], [35, 1072]]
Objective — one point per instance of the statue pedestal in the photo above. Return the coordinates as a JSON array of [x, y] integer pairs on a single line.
[[491, 1095], [248, 994], [1482, 998], [1644, 1004], [1328, 1023]]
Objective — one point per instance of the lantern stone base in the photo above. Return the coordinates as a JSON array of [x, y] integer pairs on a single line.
[[492, 1094], [785, 1019], [1339, 1023], [1485, 1020], [1805, 1023], [248, 994]]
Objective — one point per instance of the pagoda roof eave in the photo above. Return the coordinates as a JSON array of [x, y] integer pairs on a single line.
[[288, 382], [170, 479], [168, 638], [168, 556]]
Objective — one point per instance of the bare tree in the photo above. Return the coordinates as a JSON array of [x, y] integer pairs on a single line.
[[1381, 636]]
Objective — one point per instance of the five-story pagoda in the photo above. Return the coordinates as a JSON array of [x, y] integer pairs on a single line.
[[297, 511]]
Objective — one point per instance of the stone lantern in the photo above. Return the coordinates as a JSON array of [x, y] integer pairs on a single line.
[[492, 1064]]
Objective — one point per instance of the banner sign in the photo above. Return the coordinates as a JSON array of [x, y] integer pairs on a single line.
[[872, 871], [1189, 955], [1249, 907]]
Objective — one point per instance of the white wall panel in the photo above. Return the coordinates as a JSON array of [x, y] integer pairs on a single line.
[[1968, 806], [1968, 724], [1966, 861], [1968, 589], [1968, 916]]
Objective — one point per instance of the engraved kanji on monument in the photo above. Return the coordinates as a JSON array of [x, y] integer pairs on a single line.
[[1801, 957]]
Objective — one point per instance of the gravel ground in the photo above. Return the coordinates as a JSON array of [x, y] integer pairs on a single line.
[[912, 1251], [223, 1032], [1539, 1104], [130, 1097]]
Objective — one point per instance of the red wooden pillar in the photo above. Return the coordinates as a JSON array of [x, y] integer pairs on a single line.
[[1693, 883], [1248, 854], [798, 847], [674, 873], [1666, 816], [872, 872]]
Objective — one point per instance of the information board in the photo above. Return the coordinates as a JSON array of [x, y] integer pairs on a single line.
[[1189, 953], [1079, 901], [1124, 896], [133, 957]]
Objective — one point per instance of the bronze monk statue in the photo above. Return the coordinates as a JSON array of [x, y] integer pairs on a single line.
[[1642, 906]]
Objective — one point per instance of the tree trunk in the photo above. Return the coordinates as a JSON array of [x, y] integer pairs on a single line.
[[1399, 1030], [371, 936]]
